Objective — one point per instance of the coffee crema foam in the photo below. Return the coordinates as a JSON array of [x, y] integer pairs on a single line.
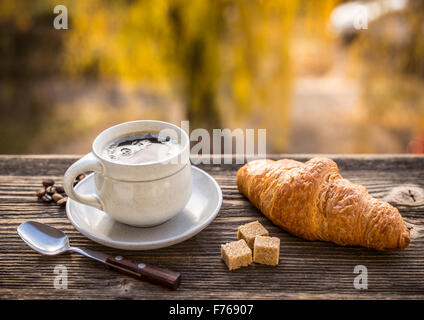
[[141, 147]]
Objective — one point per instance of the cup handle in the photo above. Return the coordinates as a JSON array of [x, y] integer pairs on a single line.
[[87, 163]]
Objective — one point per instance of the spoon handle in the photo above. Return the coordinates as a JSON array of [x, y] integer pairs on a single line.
[[165, 277]]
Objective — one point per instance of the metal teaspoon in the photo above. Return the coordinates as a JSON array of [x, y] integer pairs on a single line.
[[51, 241]]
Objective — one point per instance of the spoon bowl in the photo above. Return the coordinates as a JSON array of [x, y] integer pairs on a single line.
[[43, 238]]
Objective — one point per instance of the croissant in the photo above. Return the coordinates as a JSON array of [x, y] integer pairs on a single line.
[[311, 200]]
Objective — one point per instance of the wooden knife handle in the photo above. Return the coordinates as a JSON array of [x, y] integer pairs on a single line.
[[144, 271]]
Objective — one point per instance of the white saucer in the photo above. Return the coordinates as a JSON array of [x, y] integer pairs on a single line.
[[202, 208]]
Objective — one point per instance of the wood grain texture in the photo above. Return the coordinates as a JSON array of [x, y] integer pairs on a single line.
[[306, 270]]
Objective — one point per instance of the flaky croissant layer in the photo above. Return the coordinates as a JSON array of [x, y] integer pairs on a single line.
[[311, 200]]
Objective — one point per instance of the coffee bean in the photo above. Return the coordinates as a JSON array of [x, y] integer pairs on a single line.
[[48, 182], [60, 189], [56, 197], [51, 190], [41, 193], [81, 176], [46, 198], [62, 202]]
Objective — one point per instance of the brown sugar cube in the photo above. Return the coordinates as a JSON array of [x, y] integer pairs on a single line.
[[236, 254], [249, 231], [266, 250]]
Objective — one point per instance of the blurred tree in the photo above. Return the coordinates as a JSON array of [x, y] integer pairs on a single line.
[[227, 60], [226, 57]]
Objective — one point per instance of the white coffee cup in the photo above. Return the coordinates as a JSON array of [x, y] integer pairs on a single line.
[[142, 195]]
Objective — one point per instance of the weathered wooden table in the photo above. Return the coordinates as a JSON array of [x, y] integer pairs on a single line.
[[306, 270]]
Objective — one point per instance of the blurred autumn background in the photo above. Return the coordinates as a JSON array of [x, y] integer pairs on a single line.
[[298, 68]]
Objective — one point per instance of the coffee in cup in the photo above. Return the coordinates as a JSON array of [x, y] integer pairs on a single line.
[[141, 147]]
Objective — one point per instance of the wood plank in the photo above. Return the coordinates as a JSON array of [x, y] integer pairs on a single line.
[[306, 270]]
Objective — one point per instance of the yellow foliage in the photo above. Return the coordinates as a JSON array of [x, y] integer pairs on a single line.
[[227, 60]]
